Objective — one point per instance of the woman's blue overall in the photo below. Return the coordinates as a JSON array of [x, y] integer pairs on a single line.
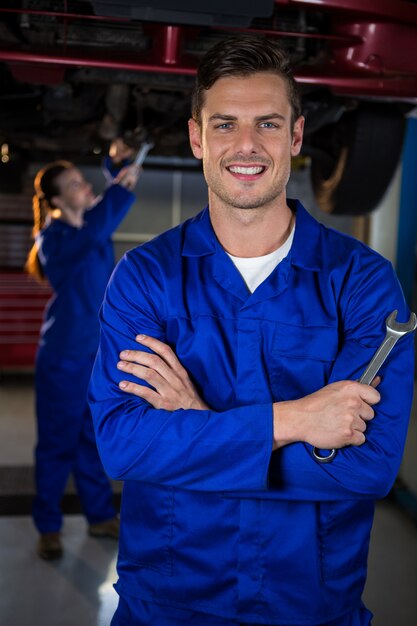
[[78, 263]]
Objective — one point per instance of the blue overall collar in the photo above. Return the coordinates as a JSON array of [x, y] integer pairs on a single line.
[[200, 238]]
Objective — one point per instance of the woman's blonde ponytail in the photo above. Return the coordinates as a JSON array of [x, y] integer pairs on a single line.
[[45, 189]]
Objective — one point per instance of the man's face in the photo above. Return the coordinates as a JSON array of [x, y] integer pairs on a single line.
[[245, 140], [75, 193]]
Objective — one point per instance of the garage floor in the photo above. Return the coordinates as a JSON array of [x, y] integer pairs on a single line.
[[78, 589]]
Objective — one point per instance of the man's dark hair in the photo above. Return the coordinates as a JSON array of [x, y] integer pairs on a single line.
[[243, 55]]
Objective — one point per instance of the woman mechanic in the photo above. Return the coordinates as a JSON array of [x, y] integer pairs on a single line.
[[73, 251]]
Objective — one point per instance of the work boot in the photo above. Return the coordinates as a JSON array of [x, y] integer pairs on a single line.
[[108, 528], [49, 546]]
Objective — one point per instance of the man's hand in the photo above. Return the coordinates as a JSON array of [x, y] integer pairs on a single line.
[[172, 387], [333, 417]]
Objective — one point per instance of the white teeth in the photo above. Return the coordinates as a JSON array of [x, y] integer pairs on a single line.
[[248, 171]]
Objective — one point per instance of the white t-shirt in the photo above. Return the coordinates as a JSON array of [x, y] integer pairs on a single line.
[[254, 270]]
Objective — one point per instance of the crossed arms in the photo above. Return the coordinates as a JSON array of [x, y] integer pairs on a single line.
[[333, 417], [156, 423]]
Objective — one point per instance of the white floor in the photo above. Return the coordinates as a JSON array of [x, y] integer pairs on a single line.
[[77, 591]]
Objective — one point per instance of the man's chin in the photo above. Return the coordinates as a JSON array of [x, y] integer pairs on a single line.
[[248, 200], [249, 203]]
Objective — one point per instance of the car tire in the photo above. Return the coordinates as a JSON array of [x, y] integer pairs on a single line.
[[354, 160]]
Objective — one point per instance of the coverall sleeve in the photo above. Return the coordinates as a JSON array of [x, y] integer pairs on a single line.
[[202, 450], [110, 169], [366, 471], [101, 221]]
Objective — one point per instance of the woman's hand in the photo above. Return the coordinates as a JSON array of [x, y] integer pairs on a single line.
[[128, 176]]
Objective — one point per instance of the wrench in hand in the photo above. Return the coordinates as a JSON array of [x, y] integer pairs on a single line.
[[394, 331]]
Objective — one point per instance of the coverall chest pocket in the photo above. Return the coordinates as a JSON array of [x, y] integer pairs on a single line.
[[301, 359]]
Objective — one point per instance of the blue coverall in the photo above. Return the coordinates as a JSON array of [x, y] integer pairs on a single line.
[[211, 520], [78, 263]]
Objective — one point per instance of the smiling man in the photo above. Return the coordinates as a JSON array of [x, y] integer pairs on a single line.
[[245, 135], [231, 346]]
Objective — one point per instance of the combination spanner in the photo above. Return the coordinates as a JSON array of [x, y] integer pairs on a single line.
[[394, 331], [141, 155]]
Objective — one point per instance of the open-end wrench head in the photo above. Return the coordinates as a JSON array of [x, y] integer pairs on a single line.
[[401, 328]]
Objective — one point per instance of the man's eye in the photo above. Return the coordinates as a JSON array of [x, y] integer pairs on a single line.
[[225, 125], [268, 125]]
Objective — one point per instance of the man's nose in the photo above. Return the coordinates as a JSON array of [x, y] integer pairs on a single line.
[[247, 140]]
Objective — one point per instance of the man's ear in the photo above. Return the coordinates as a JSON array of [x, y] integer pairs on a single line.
[[194, 132], [297, 136]]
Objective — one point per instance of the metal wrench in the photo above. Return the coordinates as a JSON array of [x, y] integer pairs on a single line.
[[394, 331], [141, 155]]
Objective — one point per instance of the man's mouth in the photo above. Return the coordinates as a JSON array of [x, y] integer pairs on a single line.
[[246, 172], [251, 170]]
